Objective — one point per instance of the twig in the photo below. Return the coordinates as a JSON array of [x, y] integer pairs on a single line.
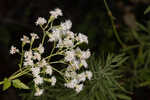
[[113, 25]]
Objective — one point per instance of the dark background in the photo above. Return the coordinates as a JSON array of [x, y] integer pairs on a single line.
[[17, 17]]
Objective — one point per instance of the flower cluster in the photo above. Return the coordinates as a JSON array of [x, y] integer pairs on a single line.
[[66, 43]]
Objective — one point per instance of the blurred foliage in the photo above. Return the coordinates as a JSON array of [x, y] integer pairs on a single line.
[[147, 10]]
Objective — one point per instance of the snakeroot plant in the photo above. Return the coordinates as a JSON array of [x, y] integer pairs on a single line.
[[41, 64]]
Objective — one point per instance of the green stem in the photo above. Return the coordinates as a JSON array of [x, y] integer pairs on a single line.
[[131, 47], [19, 74], [32, 40], [57, 71], [1, 82], [61, 61], [137, 37], [18, 71], [50, 26], [50, 20], [60, 73], [22, 54], [43, 37], [52, 51], [60, 52], [113, 25], [44, 34]]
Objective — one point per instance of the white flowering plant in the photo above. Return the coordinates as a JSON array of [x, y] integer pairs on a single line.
[[36, 62]]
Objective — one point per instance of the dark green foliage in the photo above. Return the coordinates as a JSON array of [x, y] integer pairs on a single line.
[[136, 69], [103, 86], [147, 10]]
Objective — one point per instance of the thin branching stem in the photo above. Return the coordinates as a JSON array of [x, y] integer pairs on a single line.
[[17, 75], [22, 54], [113, 25], [52, 51]]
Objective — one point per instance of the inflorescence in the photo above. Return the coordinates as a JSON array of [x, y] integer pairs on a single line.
[[65, 43]]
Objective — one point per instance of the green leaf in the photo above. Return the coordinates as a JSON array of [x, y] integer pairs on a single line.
[[142, 27], [18, 84], [147, 10], [123, 97], [47, 79], [146, 83], [7, 84]]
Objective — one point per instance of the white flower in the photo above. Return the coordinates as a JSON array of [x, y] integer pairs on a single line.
[[84, 63], [13, 50], [28, 55], [55, 36], [34, 36], [70, 55], [71, 84], [40, 21], [66, 25], [38, 80], [25, 39], [57, 12], [28, 62], [67, 74], [35, 71], [42, 63], [82, 38], [59, 44], [89, 74], [68, 43], [78, 52], [28, 58], [70, 74], [48, 70], [75, 64], [79, 88], [41, 49], [38, 92], [81, 77], [53, 81], [70, 68], [70, 35], [85, 54], [37, 56]]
